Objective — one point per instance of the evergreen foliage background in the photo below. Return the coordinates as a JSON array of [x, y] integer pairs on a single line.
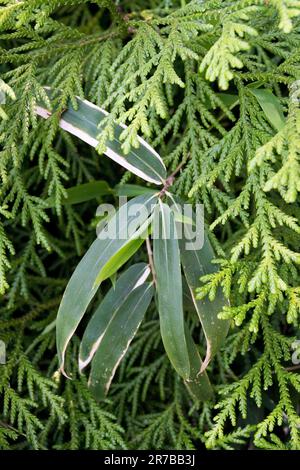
[[180, 74]]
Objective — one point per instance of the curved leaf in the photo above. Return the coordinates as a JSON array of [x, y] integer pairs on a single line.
[[125, 253], [169, 289], [83, 192], [84, 123], [81, 287], [108, 308], [271, 106], [117, 260], [116, 338], [196, 263], [198, 383]]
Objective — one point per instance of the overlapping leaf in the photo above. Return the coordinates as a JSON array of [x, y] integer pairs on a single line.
[[84, 123], [169, 289], [115, 337], [196, 262], [177, 339], [82, 287], [108, 309]]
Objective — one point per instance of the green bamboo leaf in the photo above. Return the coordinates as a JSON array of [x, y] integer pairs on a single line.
[[84, 123], [83, 192], [169, 289], [81, 287], [271, 106], [196, 263], [229, 100], [115, 338], [198, 382], [120, 258], [108, 308], [132, 190], [188, 302], [113, 279], [126, 252]]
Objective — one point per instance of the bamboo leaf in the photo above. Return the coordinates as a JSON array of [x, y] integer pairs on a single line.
[[108, 308], [131, 190], [169, 289], [196, 263], [271, 106], [81, 287], [229, 100], [198, 382], [83, 192], [126, 252], [84, 124], [117, 260], [116, 337], [188, 302]]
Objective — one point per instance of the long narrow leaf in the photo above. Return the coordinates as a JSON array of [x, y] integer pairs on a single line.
[[83, 192], [108, 308], [81, 287], [84, 124], [116, 338], [169, 290], [196, 263]]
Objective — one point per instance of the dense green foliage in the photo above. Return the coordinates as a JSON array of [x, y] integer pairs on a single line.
[[185, 76]]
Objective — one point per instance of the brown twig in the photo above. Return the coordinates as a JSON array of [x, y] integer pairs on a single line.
[[170, 179], [292, 368]]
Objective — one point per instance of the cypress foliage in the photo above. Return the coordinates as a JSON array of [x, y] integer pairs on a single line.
[[186, 76]]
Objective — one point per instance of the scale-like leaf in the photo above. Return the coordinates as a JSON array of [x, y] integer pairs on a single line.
[[81, 287], [84, 123], [169, 289], [83, 192], [196, 263], [108, 308], [271, 106], [116, 337]]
